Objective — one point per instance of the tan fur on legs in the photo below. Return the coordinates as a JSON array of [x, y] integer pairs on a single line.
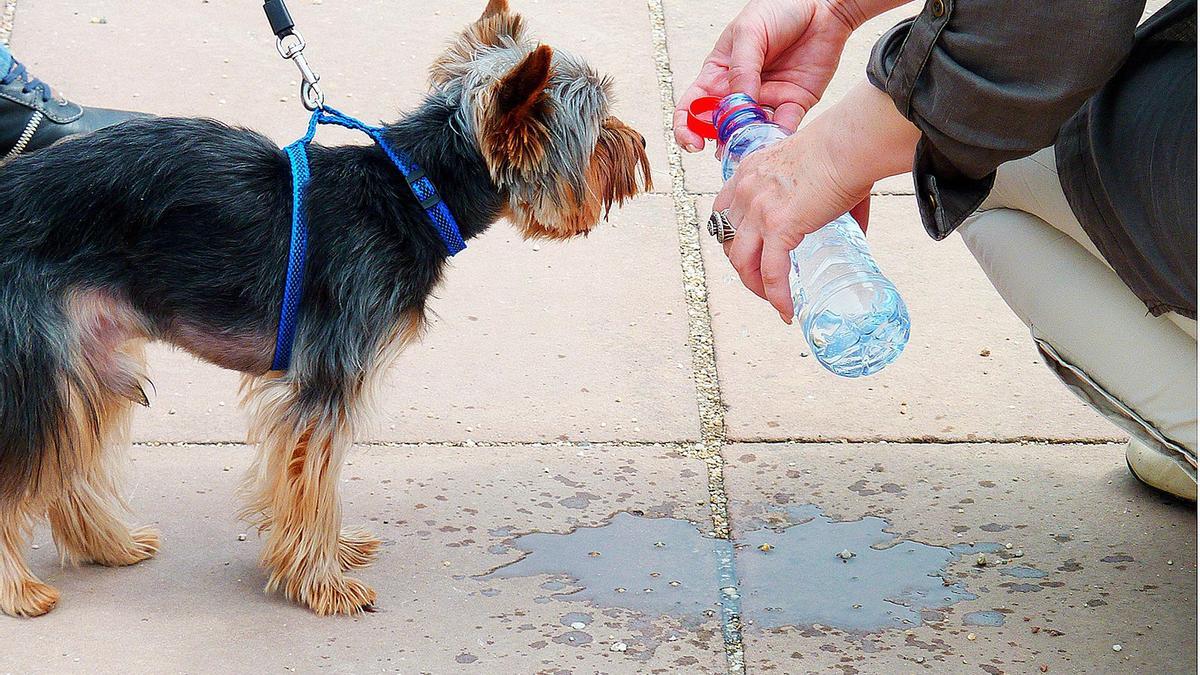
[[293, 497], [357, 549], [75, 483], [291, 489], [21, 593], [85, 516]]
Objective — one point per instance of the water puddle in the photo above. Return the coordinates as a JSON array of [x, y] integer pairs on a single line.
[[785, 576]]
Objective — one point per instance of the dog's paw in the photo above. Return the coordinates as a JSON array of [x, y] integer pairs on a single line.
[[33, 599], [340, 595], [142, 545], [357, 549]]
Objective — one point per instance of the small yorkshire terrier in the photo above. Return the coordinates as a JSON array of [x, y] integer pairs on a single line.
[[178, 230]]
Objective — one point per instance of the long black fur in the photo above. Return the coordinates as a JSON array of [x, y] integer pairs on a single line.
[[188, 220]]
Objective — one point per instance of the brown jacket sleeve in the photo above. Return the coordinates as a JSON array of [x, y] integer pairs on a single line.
[[988, 81]]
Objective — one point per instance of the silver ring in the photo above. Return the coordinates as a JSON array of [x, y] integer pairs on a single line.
[[720, 227]]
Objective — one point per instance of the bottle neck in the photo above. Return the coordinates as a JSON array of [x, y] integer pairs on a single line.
[[736, 112]]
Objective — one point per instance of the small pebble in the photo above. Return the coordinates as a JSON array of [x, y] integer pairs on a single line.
[[36, 546], [985, 352], [981, 561], [920, 659], [971, 636], [674, 583], [241, 537], [98, 19], [765, 548], [1018, 553], [846, 554], [594, 554], [1044, 668], [579, 625], [1008, 546], [618, 647], [1117, 648]]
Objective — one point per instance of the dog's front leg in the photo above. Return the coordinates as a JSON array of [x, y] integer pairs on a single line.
[[293, 497]]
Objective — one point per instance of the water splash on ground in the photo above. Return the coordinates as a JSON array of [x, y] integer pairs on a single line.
[[784, 576]]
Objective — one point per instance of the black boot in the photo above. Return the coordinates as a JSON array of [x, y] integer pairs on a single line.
[[33, 117]]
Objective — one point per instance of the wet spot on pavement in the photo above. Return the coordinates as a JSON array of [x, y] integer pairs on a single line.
[[986, 618], [1022, 572], [786, 575]]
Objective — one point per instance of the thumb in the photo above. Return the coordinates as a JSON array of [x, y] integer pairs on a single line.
[[746, 62]]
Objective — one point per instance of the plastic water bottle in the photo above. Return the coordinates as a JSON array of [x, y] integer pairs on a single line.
[[853, 318]]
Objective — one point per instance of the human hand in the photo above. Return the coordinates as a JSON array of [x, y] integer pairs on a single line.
[[800, 184], [779, 195], [783, 53]]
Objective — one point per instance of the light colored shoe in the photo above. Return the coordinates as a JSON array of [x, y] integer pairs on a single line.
[[1159, 471]]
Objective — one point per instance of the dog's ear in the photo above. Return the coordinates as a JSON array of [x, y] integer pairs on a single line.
[[497, 27], [494, 8], [513, 129]]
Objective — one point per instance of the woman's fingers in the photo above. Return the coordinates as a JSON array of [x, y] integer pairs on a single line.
[[713, 80], [745, 254], [775, 265], [685, 137], [788, 115], [745, 250], [746, 61]]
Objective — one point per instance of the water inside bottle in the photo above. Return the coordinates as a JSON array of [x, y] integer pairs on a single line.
[[855, 321]]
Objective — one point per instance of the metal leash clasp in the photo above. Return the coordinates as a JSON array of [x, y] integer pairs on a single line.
[[291, 47]]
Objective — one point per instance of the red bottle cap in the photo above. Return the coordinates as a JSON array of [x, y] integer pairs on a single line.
[[700, 116]]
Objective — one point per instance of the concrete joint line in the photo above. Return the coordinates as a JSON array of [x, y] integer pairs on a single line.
[[6, 21], [700, 341]]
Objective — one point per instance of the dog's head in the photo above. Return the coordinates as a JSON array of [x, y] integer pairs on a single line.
[[542, 123]]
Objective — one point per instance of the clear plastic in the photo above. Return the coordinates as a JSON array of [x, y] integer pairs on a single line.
[[852, 316]]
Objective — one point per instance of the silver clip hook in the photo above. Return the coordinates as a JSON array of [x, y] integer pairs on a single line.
[[293, 49]]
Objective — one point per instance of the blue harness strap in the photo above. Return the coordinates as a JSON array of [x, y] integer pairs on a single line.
[[423, 189]]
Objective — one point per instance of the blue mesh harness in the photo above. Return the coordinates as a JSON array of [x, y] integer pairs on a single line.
[[293, 290]]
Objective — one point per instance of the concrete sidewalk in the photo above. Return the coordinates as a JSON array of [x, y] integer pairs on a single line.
[[623, 396]]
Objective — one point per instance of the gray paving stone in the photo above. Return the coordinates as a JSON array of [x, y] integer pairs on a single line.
[[446, 516], [1119, 561], [586, 340]]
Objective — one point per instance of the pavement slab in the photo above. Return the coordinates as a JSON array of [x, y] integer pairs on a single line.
[[217, 58], [447, 516], [500, 361], [522, 345], [970, 371], [1097, 560]]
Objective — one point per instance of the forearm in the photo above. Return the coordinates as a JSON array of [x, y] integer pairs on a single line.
[[864, 138]]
